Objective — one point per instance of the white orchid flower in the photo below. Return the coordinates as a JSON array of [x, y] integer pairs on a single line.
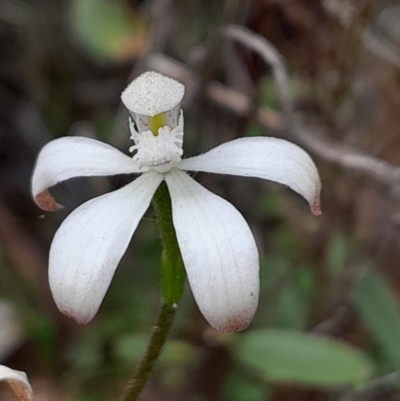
[[217, 246], [18, 382]]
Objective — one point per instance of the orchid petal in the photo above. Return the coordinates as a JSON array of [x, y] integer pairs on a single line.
[[18, 382], [219, 253], [69, 157], [269, 158], [152, 93], [90, 243]]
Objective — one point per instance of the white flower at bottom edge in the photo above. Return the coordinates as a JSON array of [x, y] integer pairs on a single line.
[[217, 246], [18, 382]]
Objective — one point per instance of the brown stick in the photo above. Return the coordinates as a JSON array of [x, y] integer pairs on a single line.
[[312, 140]]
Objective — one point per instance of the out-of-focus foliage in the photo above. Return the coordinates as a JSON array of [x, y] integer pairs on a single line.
[[106, 29], [297, 358], [380, 313]]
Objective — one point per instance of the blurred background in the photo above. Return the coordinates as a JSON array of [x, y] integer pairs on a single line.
[[63, 65]]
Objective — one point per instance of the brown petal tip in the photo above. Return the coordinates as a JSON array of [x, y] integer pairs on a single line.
[[236, 323], [46, 201], [316, 207], [79, 318], [21, 390]]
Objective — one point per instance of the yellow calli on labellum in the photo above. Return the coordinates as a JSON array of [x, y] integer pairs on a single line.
[[218, 249], [18, 382]]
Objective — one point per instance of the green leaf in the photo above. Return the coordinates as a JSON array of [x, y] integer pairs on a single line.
[[106, 29], [288, 356], [380, 313], [239, 388]]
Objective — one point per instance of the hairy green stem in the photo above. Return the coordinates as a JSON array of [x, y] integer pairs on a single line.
[[172, 279], [157, 341], [172, 270]]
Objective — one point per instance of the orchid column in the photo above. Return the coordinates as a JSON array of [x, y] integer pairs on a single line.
[[218, 250]]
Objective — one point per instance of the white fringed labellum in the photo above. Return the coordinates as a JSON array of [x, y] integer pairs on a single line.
[[161, 150]]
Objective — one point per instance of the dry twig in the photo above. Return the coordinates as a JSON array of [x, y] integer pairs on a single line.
[[312, 140]]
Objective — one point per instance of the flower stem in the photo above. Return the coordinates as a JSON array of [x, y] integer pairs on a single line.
[[157, 341], [172, 270], [172, 279]]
